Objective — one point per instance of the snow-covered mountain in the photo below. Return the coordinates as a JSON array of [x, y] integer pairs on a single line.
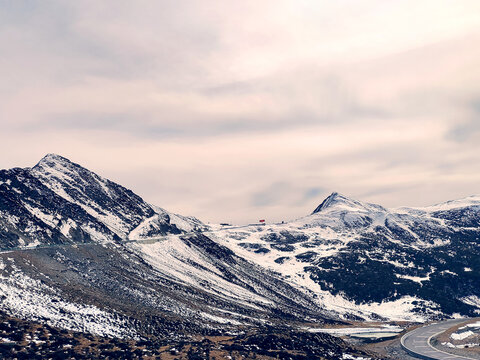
[[365, 260], [58, 201], [81, 252]]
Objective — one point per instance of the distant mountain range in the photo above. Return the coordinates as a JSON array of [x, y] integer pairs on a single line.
[[364, 260], [81, 252]]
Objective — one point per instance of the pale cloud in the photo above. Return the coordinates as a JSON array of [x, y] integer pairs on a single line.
[[233, 111]]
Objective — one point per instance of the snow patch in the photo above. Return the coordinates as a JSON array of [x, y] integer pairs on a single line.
[[461, 335]]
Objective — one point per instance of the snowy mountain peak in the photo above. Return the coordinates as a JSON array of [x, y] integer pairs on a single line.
[[470, 201], [335, 200], [51, 160], [331, 199], [71, 203], [54, 157], [56, 167]]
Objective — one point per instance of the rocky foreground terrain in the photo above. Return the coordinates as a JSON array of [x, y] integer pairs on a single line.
[[22, 339]]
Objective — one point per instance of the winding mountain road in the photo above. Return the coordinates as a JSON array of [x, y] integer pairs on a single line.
[[417, 342]]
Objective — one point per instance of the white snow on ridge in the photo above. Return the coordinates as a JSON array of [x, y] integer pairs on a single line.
[[163, 217], [67, 226], [469, 201], [64, 178], [140, 231], [185, 223], [352, 357]]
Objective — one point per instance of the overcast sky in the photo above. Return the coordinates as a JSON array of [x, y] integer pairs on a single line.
[[240, 110]]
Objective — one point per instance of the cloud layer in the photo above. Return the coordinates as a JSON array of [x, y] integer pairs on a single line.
[[233, 111]]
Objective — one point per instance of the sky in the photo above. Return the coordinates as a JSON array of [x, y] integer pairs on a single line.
[[234, 111]]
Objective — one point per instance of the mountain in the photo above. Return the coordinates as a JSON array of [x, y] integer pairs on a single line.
[[83, 253], [80, 252], [58, 201], [365, 261]]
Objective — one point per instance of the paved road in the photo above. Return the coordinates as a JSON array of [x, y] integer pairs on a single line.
[[417, 342]]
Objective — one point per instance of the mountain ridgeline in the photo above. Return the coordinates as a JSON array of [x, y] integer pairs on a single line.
[[365, 260], [86, 254], [58, 201], [81, 252]]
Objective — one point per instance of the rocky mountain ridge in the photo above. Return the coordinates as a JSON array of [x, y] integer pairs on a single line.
[[84, 253], [58, 201]]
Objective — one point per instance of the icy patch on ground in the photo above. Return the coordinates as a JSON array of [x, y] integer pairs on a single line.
[[461, 335], [461, 346], [472, 325], [470, 331], [351, 357]]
